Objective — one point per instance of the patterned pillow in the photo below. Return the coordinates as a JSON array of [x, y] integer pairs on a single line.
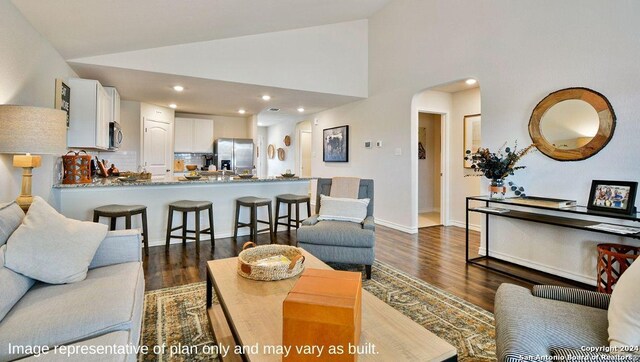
[[343, 209]]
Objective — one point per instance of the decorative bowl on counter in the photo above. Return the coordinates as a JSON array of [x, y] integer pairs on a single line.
[[191, 167], [245, 176], [192, 177], [288, 175], [128, 179]]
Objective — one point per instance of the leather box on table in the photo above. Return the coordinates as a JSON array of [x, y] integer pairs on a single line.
[[324, 308]]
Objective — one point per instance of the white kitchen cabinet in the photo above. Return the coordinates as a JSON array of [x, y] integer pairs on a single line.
[[114, 106], [90, 111], [193, 135]]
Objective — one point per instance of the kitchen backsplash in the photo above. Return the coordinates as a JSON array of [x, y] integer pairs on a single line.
[[191, 158]]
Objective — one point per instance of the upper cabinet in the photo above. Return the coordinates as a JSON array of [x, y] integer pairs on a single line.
[[115, 104], [193, 135], [91, 111]]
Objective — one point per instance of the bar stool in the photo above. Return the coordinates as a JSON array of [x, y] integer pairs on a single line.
[[187, 206], [113, 212], [291, 199], [253, 203]]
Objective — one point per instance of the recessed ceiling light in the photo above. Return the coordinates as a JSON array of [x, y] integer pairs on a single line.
[[241, 111], [178, 88], [471, 81], [259, 124], [300, 109], [173, 105], [266, 97]]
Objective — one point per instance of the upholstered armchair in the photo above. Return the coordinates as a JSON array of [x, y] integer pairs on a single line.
[[549, 321], [340, 241]]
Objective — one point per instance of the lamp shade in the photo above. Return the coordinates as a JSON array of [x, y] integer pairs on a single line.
[[36, 130]]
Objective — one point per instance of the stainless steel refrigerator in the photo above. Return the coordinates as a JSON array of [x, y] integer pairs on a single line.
[[234, 154]]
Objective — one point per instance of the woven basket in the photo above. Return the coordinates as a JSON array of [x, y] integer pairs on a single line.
[[251, 254]]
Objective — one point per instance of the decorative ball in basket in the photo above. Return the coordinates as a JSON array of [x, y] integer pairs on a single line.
[[270, 262], [77, 168]]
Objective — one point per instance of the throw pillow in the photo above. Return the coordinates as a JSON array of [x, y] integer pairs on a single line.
[[11, 216], [52, 248], [623, 313], [342, 209], [14, 285]]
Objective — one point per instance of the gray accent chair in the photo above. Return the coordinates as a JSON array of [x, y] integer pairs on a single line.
[[549, 321], [340, 241]]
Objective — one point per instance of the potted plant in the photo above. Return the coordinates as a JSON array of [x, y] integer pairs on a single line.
[[496, 166]]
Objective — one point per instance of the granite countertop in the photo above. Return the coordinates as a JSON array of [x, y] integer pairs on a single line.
[[173, 180]]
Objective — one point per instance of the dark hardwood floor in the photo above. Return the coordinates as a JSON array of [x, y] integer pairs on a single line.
[[435, 255]]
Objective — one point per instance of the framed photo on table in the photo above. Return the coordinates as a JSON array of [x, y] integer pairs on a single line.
[[613, 196], [335, 144]]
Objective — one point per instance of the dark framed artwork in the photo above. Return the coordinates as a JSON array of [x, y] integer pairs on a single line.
[[63, 98], [613, 196], [335, 144]]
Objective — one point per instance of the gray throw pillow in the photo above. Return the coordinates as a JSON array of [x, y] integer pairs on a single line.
[[52, 248], [13, 285], [11, 216]]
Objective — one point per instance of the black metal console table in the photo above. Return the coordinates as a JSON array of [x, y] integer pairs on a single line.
[[574, 217]]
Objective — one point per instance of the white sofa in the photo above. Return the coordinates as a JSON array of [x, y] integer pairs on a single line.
[[105, 309]]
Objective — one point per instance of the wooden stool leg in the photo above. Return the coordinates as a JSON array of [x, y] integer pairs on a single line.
[[289, 216], [169, 226], [271, 232], [297, 215], [211, 229], [275, 226], [96, 217], [184, 227], [253, 230], [197, 221], [113, 223], [235, 228], [127, 224], [145, 232]]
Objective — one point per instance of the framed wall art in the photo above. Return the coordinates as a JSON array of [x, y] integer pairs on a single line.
[[335, 144], [613, 196], [472, 136]]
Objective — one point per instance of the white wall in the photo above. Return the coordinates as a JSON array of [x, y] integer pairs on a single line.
[[328, 59], [520, 52], [28, 68], [275, 137]]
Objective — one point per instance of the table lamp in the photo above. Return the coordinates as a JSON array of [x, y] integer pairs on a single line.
[[25, 130]]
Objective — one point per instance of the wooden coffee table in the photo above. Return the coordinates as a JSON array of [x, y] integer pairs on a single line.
[[250, 313]]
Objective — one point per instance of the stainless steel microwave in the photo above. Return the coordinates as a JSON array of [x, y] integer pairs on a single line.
[[115, 136]]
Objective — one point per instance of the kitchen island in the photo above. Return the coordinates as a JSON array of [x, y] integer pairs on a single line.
[[78, 201]]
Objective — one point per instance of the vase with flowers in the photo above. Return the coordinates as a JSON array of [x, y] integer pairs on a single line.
[[496, 166]]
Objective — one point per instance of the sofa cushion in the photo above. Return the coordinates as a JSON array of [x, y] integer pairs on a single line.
[[13, 286], [52, 248], [109, 299], [624, 314], [338, 233], [11, 216], [342, 209]]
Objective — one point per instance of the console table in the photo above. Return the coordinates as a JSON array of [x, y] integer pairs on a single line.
[[575, 217]]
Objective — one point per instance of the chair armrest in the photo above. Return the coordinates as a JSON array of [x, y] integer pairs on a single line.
[[572, 295], [120, 246], [312, 220], [369, 223]]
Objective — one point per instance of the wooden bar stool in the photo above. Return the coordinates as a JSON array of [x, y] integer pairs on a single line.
[[187, 206], [291, 199], [253, 203], [113, 212]]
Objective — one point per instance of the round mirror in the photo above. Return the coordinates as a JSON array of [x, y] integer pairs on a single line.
[[572, 124]]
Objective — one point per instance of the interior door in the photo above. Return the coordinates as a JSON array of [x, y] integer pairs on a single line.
[[305, 154], [157, 152]]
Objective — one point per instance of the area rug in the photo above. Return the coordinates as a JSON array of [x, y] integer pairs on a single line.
[[176, 319]]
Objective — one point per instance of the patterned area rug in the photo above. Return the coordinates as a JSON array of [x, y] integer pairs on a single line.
[[176, 318]]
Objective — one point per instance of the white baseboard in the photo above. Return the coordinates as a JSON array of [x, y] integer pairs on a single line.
[[586, 279], [464, 225], [393, 225], [205, 238]]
